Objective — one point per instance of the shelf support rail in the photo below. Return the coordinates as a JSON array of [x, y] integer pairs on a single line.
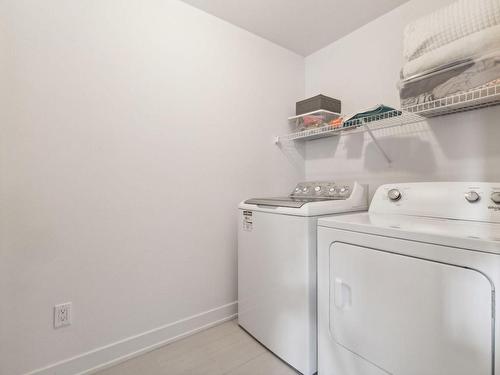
[[377, 144]]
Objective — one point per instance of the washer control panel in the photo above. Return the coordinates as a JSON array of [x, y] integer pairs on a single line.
[[322, 189]]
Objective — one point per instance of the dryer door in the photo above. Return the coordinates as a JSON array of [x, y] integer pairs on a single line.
[[409, 316]]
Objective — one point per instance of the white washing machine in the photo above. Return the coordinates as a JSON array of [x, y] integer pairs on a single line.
[[277, 266], [409, 287]]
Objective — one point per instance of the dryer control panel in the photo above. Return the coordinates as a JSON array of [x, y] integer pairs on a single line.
[[474, 201]]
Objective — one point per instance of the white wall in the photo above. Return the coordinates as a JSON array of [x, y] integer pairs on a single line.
[[362, 69], [129, 131]]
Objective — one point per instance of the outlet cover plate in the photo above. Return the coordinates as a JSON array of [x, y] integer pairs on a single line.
[[62, 315]]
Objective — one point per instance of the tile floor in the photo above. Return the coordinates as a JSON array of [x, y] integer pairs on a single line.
[[222, 350]]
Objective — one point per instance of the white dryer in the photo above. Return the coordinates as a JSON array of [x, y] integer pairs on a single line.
[[277, 266], [409, 287]]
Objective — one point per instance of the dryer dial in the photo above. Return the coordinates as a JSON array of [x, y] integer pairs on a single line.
[[394, 195], [472, 196], [495, 197]]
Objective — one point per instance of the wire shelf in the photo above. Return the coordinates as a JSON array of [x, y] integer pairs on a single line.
[[473, 99], [368, 123], [318, 112]]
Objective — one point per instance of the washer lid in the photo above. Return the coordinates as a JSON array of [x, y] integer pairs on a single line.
[[472, 235], [308, 192], [290, 202], [350, 197]]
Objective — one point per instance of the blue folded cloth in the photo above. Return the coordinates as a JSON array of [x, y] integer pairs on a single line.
[[377, 113]]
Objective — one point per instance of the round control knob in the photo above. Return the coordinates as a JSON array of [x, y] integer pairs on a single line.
[[472, 196], [317, 189], [495, 197], [305, 189], [394, 195]]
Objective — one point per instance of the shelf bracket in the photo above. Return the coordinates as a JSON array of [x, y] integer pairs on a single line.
[[375, 141]]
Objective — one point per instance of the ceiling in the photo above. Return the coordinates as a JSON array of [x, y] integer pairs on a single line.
[[303, 26]]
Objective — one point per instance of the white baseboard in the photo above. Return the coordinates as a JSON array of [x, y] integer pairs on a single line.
[[119, 351]]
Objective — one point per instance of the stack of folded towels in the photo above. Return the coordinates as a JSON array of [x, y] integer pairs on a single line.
[[452, 50]]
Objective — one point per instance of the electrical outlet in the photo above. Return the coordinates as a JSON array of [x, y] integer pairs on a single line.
[[62, 315]]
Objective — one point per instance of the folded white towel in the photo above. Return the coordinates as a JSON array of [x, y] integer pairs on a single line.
[[448, 24], [475, 46]]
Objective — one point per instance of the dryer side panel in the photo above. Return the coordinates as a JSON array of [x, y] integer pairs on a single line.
[[409, 316]]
